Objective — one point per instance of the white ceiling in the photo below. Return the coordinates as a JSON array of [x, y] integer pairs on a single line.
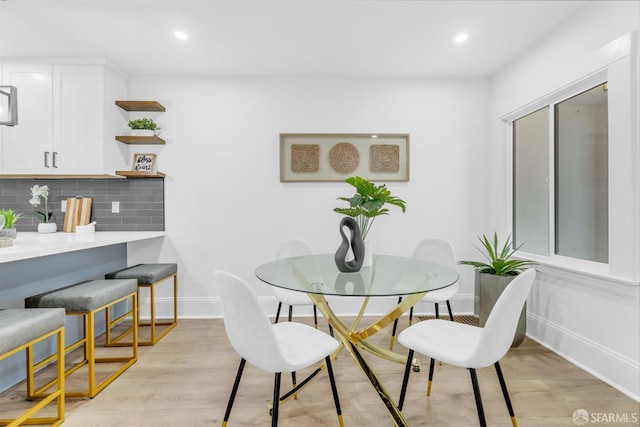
[[290, 37]]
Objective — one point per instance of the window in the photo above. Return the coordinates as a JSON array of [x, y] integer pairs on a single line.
[[565, 143], [531, 179]]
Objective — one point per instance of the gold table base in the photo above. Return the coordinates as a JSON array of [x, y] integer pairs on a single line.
[[355, 341]]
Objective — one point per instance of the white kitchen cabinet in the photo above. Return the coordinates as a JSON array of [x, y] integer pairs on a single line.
[[61, 110], [78, 93], [27, 146]]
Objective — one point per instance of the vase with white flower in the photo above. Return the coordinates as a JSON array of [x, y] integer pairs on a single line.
[[38, 191]]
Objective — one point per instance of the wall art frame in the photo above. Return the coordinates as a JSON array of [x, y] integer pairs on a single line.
[[327, 157], [144, 163]]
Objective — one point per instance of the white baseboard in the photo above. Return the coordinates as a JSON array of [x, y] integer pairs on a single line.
[[614, 369], [209, 307]]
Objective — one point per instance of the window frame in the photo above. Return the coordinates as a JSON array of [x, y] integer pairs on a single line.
[[551, 100]]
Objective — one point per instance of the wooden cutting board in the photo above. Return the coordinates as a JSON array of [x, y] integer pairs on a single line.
[[78, 213]]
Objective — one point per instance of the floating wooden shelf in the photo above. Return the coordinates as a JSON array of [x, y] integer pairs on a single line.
[[136, 174], [140, 105], [151, 140]]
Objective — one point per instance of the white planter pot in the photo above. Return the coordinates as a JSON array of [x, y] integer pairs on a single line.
[[142, 132], [368, 254], [47, 227]]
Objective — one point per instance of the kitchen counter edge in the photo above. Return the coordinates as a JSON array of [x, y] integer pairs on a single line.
[[34, 245]]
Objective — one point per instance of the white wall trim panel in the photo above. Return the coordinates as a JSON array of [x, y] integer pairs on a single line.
[[615, 369]]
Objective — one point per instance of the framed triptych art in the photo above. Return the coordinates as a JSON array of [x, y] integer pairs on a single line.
[[335, 157]]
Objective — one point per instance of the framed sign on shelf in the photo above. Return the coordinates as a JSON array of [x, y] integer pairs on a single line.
[[335, 157], [144, 163]]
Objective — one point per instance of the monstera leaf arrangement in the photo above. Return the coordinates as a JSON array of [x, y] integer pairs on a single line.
[[368, 203]]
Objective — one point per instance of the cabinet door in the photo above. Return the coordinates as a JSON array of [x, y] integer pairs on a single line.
[[78, 93], [25, 146]]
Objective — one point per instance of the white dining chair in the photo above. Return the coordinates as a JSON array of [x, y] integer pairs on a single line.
[[275, 348], [286, 249], [469, 346], [440, 252]]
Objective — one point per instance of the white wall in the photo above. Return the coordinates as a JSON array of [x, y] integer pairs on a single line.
[[592, 320], [225, 205]]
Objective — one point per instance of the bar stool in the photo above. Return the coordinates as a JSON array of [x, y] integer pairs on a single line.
[[148, 276], [86, 299], [21, 329]]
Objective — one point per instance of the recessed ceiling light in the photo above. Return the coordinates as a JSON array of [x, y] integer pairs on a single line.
[[181, 35], [461, 37]]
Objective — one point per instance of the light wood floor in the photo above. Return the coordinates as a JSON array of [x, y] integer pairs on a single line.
[[185, 380]]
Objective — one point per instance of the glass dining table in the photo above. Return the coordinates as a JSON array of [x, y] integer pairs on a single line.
[[388, 276]]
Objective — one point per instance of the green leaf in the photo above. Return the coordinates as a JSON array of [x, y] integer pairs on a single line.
[[10, 217], [500, 262], [368, 202]]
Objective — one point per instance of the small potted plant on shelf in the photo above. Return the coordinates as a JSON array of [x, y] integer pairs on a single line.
[[492, 278], [143, 127], [10, 219], [367, 204]]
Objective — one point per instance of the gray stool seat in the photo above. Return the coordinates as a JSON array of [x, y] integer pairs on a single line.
[[20, 330], [146, 274], [85, 300], [19, 326], [87, 296]]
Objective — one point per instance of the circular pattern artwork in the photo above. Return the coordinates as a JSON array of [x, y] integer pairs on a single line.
[[344, 157]]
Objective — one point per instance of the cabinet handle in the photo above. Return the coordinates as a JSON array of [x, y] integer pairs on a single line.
[[55, 157], [46, 159]]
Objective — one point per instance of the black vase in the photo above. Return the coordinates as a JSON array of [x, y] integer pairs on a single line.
[[354, 241]]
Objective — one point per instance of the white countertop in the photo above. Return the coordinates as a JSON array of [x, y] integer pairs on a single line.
[[34, 245]]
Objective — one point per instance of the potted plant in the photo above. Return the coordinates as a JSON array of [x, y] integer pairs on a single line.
[[45, 226], [10, 219], [367, 204], [492, 278], [143, 127]]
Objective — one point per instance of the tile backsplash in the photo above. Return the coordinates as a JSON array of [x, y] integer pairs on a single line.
[[141, 201]]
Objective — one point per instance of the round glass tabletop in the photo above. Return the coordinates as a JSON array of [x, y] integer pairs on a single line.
[[388, 276]]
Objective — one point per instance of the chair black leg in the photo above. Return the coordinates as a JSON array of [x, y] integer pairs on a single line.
[[437, 310], [395, 327], [315, 317], [334, 389], [450, 312], [278, 312], [330, 327], [293, 374], [276, 400], [234, 390], [431, 369], [505, 393], [405, 379], [294, 382], [476, 393]]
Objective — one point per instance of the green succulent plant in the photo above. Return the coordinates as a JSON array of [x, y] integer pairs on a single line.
[[143, 124], [500, 262], [10, 217], [368, 203]]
